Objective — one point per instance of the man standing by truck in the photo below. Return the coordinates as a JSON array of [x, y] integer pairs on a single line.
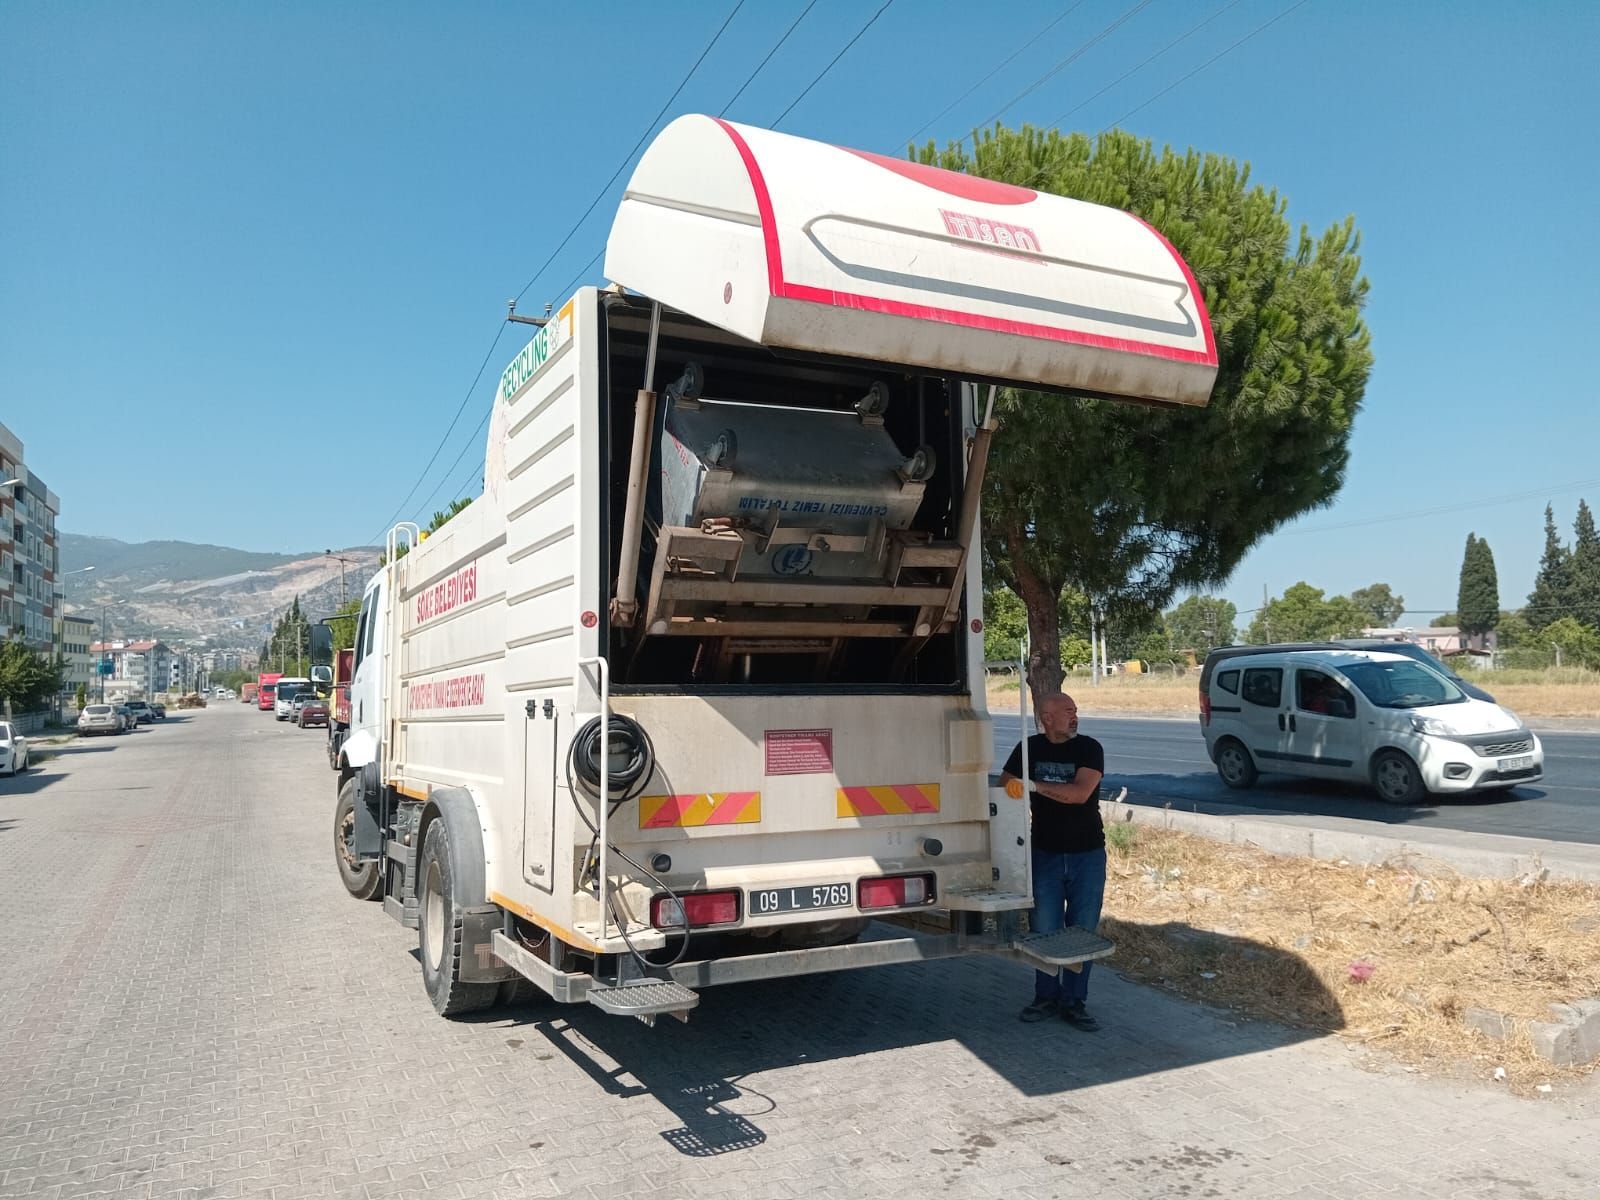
[[1069, 847]]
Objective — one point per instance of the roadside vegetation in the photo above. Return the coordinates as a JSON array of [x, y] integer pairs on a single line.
[[1389, 957]]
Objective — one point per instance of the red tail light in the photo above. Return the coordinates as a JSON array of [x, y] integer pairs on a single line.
[[1205, 706], [895, 891], [700, 909]]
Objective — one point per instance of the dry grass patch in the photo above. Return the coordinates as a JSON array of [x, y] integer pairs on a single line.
[[1544, 699], [1116, 694], [1391, 956]]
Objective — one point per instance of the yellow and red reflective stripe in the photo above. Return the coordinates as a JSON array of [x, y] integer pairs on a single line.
[[894, 799], [693, 809]]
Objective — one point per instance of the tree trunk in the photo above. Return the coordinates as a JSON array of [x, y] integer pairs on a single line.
[[1042, 598]]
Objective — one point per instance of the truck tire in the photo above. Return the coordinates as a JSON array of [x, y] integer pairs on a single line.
[[439, 931], [363, 880]]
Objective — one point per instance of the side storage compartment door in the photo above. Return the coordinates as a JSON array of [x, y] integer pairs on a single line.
[[539, 794]]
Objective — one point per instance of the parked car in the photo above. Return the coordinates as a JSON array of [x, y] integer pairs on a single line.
[[13, 749], [129, 721], [142, 712], [313, 711], [1360, 715], [160, 710], [99, 718]]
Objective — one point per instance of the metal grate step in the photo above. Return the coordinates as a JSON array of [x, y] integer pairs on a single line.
[[647, 999], [1072, 945]]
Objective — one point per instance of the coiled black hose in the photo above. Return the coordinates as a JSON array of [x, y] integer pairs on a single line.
[[624, 738], [624, 781]]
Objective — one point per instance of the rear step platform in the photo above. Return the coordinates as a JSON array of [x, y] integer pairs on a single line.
[[1065, 949], [646, 999]]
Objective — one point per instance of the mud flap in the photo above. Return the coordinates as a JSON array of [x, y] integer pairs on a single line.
[[368, 841], [479, 963]]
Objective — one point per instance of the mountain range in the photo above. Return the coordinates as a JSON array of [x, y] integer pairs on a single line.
[[202, 595]]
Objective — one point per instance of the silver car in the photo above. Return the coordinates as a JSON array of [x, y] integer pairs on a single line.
[[99, 718]]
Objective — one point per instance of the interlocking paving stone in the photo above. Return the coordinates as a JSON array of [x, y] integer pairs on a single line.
[[194, 1007]]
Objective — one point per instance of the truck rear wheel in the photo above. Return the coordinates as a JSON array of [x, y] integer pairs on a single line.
[[439, 931], [361, 879]]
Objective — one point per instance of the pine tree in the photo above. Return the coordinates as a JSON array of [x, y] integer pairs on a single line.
[[1550, 599], [1478, 601], [1584, 568]]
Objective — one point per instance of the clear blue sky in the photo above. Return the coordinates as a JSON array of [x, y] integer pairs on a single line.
[[251, 255]]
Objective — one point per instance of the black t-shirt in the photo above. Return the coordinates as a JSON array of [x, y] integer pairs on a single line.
[[1062, 828]]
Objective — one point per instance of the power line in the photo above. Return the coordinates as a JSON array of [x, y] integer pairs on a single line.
[[1182, 37], [1261, 28], [434, 457], [762, 64], [500, 330], [621, 166], [1487, 502], [871, 21], [576, 279], [1066, 62], [1008, 61]]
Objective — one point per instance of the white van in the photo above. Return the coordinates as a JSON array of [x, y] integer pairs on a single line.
[[1357, 715], [283, 698]]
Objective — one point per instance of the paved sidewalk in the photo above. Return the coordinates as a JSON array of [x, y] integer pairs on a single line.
[[195, 1008]]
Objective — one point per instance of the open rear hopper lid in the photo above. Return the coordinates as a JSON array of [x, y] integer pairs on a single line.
[[802, 245]]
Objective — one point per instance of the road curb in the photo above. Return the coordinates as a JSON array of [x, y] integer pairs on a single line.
[[1485, 855]]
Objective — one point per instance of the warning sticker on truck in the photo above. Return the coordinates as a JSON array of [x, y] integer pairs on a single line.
[[799, 751]]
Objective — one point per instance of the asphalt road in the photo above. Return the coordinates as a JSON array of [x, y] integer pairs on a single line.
[[1165, 760]]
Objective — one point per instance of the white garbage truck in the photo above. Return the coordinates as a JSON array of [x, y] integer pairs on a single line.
[[693, 693]]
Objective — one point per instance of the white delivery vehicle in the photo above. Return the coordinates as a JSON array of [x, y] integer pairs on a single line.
[[693, 691], [283, 698], [1361, 716]]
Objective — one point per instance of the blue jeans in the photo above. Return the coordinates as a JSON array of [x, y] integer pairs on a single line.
[[1068, 889]]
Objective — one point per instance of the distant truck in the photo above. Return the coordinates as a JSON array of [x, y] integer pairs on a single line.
[[695, 690], [247, 692], [267, 689]]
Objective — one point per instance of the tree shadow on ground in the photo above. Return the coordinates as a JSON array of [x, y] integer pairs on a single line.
[[35, 779], [700, 1071]]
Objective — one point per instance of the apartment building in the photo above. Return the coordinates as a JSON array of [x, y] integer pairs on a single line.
[[74, 636], [30, 598], [138, 668]]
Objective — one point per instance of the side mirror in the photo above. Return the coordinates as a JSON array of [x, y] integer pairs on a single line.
[[321, 674], [321, 650], [1338, 706]]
